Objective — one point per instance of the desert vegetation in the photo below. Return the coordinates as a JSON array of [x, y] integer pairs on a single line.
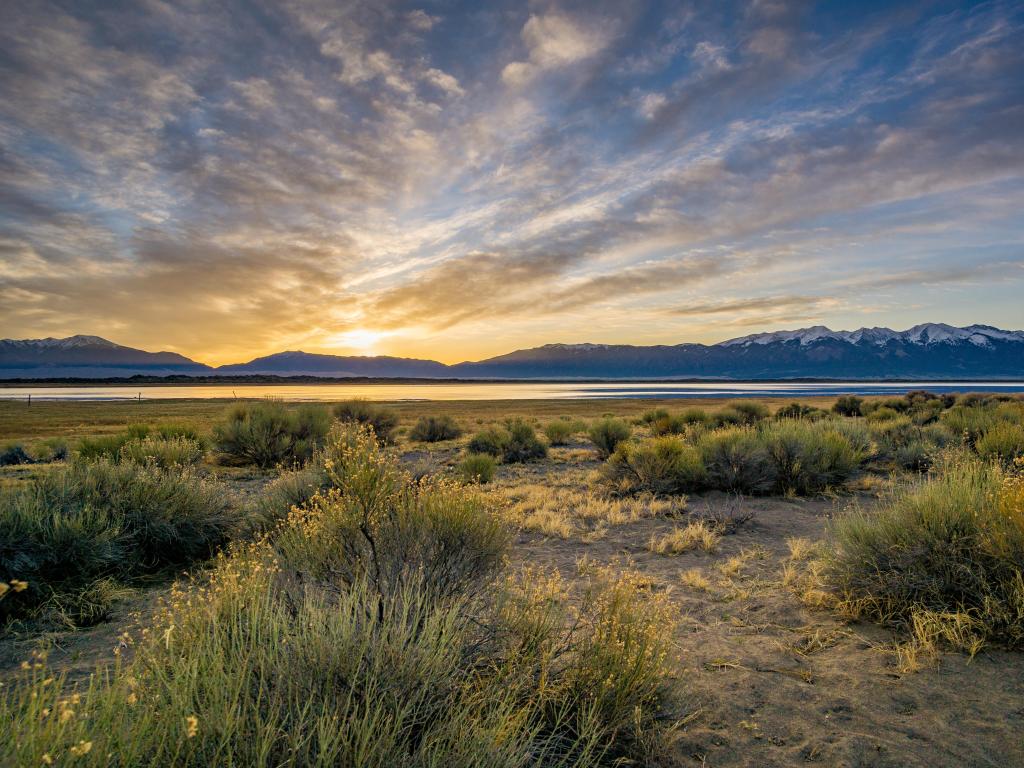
[[552, 589]]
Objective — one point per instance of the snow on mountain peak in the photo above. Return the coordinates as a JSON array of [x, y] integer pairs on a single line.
[[925, 333], [71, 342]]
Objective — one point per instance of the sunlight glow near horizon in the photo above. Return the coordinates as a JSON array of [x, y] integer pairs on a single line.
[[444, 181]]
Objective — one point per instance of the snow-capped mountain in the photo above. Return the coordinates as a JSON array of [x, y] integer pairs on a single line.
[[927, 351], [926, 333]]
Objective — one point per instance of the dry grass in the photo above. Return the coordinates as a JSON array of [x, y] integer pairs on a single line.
[[695, 536], [694, 578]]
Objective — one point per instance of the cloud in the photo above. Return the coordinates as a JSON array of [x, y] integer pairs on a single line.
[[553, 41]]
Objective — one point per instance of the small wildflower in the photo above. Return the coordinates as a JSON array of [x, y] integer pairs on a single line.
[[191, 726], [19, 586], [47, 760], [82, 748]]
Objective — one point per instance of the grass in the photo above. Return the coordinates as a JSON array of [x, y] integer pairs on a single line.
[[95, 520], [382, 420], [697, 535], [376, 625], [940, 558], [268, 433], [434, 429], [477, 468], [606, 435], [661, 466]]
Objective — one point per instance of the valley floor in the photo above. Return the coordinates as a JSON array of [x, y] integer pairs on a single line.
[[764, 680]]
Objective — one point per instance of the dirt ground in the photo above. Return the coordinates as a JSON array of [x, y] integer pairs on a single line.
[[769, 682], [764, 680]]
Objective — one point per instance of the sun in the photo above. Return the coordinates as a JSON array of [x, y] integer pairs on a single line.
[[361, 339]]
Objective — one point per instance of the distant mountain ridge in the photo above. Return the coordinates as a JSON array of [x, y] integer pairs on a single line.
[[929, 351]]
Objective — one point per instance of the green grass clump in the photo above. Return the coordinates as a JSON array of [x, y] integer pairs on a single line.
[[606, 434], [267, 433], [1003, 442], [373, 627], [162, 452], [382, 420], [742, 412], [477, 468], [809, 457], [491, 441], [737, 460], [91, 520], [559, 432], [796, 410], [944, 556], [848, 405], [434, 429], [523, 443], [661, 465]]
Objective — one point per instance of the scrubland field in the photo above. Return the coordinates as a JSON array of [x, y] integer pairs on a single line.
[[563, 583]]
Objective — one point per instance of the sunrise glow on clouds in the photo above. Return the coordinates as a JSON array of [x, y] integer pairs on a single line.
[[455, 180]]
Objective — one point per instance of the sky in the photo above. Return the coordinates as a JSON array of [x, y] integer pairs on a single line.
[[453, 180]]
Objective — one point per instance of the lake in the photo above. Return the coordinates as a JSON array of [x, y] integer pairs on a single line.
[[496, 391]]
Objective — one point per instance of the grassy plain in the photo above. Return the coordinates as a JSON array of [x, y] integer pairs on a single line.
[[765, 675]]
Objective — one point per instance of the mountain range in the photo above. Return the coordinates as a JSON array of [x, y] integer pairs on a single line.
[[927, 351]]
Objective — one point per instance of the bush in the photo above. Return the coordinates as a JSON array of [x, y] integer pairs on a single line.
[[808, 458], [742, 412], [14, 454], [799, 411], [668, 425], [103, 446], [656, 414], [91, 520], [663, 465], [522, 444], [267, 433], [51, 449], [735, 459], [606, 434], [371, 628], [382, 420], [848, 405], [1003, 442], [946, 553], [559, 432], [434, 429], [883, 413], [477, 468], [491, 441], [162, 452]]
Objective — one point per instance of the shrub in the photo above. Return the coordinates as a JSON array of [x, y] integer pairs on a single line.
[[735, 459], [162, 452], [808, 458], [267, 433], [371, 628], [382, 420], [653, 415], [664, 465], [491, 441], [883, 413], [559, 432], [669, 425], [1003, 442], [477, 468], [848, 405], [743, 412], [90, 520], [51, 449], [434, 429], [800, 411], [522, 444], [946, 551], [103, 446], [13, 454], [606, 434]]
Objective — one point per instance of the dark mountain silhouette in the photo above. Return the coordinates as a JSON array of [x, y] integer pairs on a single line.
[[928, 351]]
